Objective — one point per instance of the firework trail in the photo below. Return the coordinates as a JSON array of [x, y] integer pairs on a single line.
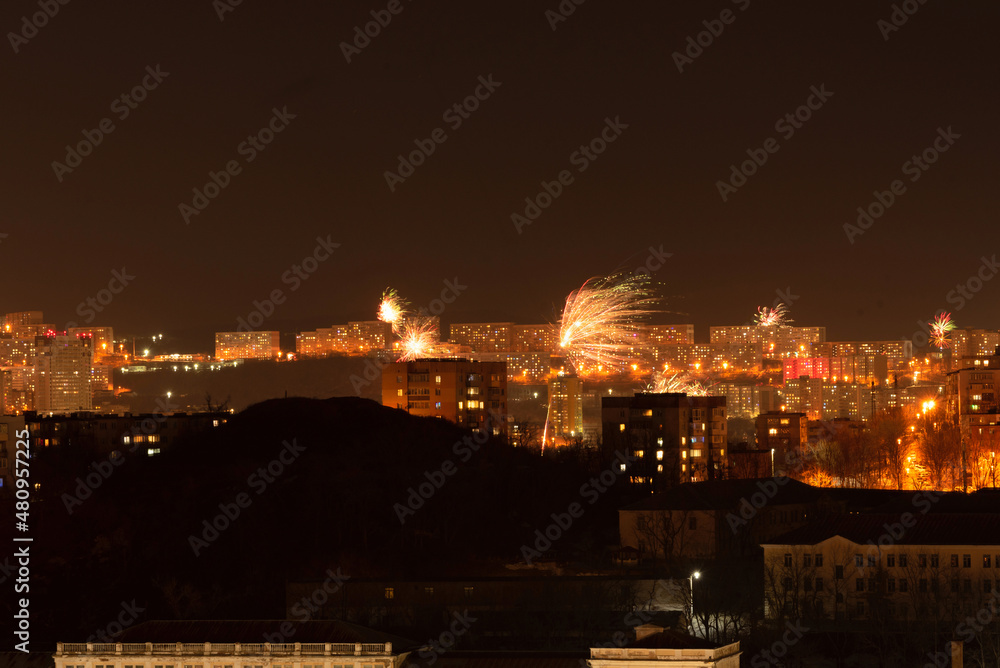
[[418, 337], [600, 319], [679, 382], [772, 317], [392, 309], [940, 327]]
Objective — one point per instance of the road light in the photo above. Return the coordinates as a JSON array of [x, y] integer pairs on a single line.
[[691, 578]]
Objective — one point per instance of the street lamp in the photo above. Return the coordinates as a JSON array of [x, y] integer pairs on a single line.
[[691, 578]]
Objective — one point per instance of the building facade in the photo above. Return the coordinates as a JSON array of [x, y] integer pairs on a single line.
[[672, 437], [62, 373], [247, 345], [468, 393]]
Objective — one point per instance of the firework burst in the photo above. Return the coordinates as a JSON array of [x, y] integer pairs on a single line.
[[418, 337], [940, 328], [772, 317], [599, 321], [392, 309], [679, 382]]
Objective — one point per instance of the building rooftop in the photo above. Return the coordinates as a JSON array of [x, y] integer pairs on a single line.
[[254, 631], [929, 529], [727, 494]]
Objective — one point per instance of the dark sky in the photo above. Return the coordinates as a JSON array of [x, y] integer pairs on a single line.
[[654, 186]]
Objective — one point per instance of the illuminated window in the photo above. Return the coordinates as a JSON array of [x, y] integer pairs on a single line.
[[648, 412], [152, 451], [460, 405], [390, 592], [684, 454], [640, 453], [684, 440], [684, 468], [429, 591], [621, 427], [126, 439], [773, 431], [659, 468], [659, 441], [659, 455], [437, 379], [437, 404], [399, 392], [696, 453]]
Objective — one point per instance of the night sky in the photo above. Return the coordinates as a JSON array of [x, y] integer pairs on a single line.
[[323, 175]]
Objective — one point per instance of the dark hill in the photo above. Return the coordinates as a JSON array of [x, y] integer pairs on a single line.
[[330, 504]]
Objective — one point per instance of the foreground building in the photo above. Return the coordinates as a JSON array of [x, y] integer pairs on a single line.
[[470, 394], [248, 644], [673, 437], [886, 567]]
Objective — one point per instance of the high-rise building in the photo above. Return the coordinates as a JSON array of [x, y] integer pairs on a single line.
[[786, 434], [657, 335], [247, 345], [565, 406], [532, 338], [898, 353], [368, 335], [12, 322], [103, 338], [853, 369], [777, 342], [62, 373], [974, 342], [709, 356], [747, 400], [971, 395], [483, 337], [468, 393], [672, 437]]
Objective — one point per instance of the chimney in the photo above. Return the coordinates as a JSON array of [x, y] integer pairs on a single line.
[[956, 654], [644, 630]]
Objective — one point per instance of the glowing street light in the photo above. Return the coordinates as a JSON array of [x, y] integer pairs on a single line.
[[691, 578]]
